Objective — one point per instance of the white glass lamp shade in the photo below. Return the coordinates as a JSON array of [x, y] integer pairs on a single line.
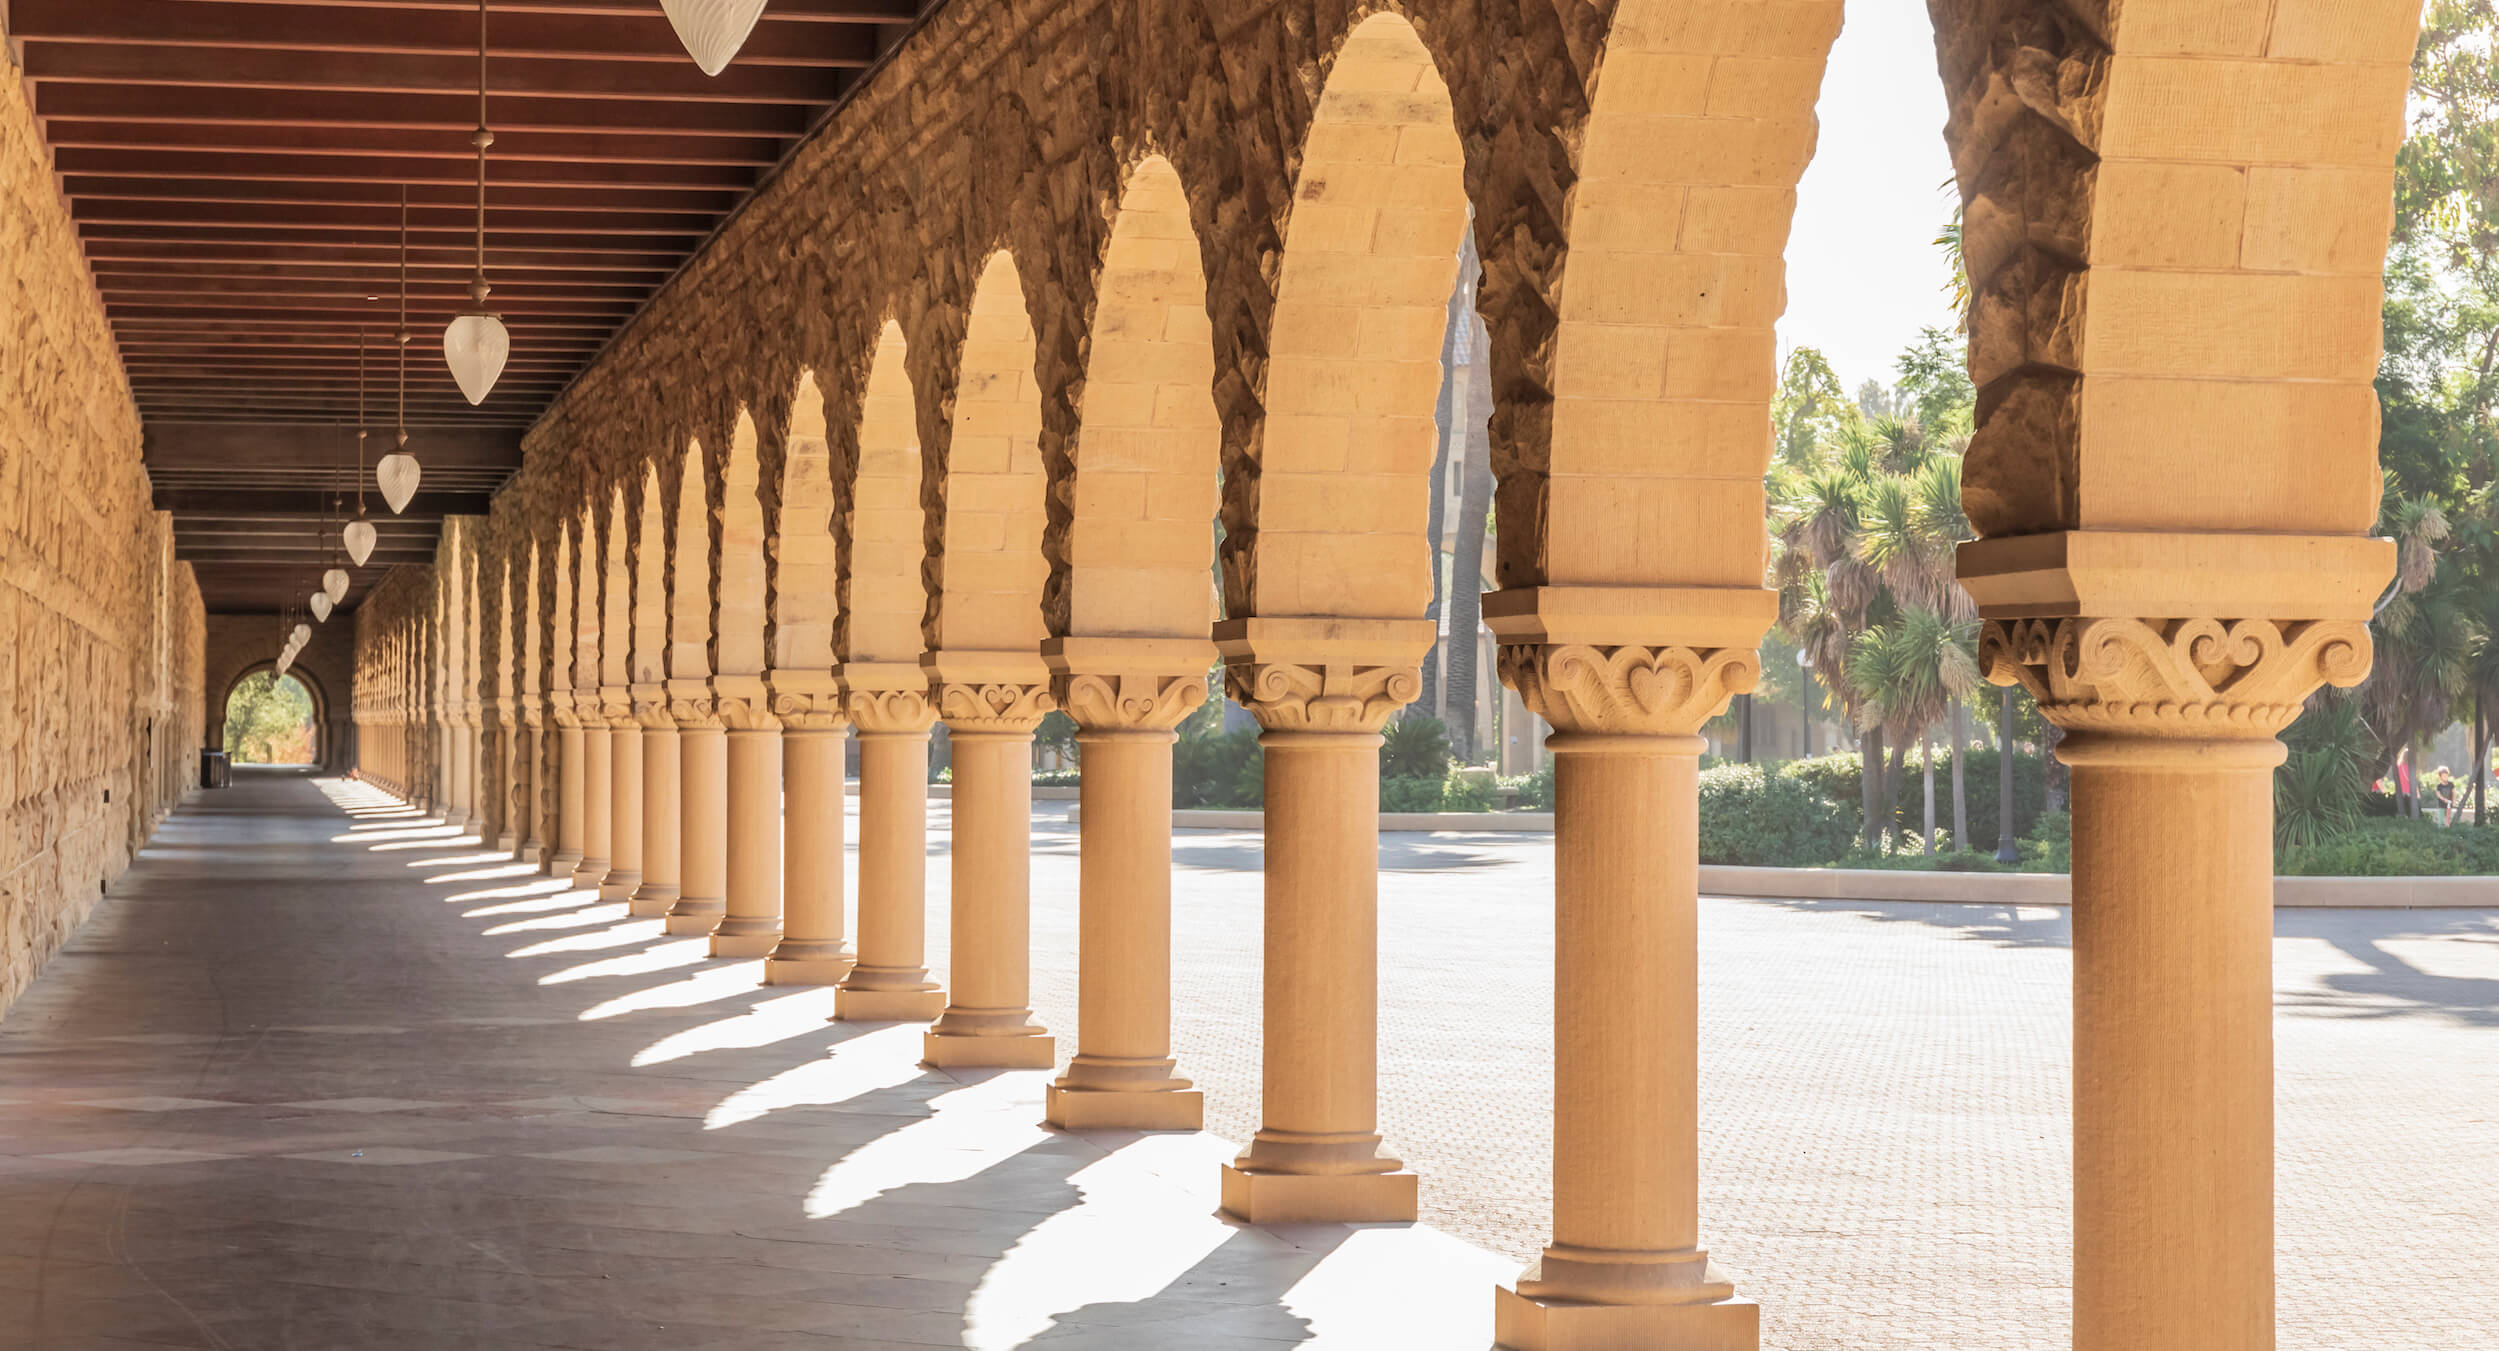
[[320, 603], [358, 535], [712, 30], [303, 633], [285, 659], [476, 345], [398, 471], [334, 585]]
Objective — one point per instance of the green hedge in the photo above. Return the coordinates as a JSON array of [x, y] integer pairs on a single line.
[[1769, 820], [1837, 777], [2396, 847]]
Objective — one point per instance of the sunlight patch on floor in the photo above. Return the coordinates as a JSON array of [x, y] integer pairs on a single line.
[[461, 861], [773, 1020], [661, 958], [885, 1058], [970, 1129], [486, 874], [534, 900], [580, 917], [638, 931]]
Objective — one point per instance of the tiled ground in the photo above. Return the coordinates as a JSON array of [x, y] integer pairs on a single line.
[[570, 1124]]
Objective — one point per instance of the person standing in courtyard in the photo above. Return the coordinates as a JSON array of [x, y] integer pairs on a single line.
[[2443, 786]]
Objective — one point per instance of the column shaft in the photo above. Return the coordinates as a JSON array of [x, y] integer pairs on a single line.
[[1626, 1134], [658, 888], [598, 782], [2173, 1044], [891, 980], [532, 805], [751, 924], [811, 950], [1317, 1152], [1121, 1076], [702, 829], [568, 803], [624, 847], [989, 1020]]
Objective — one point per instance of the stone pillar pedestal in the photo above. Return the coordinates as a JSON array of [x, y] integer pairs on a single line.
[[1322, 689], [1626, 1266], [455, 768], [569, 785], [811, 950], [661, 863], [751, 925], [890, 981], [532, 776], [989, 1019], [624, 846], [1126, 696], [702, 813], [2171, 729], [598, 782]]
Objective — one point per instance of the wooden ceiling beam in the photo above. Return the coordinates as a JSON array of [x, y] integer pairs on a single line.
[[221, 166], [250, 67], [497, 242], [444, 143], [351, 192], [644, 37], [658, 264], [212, 105]]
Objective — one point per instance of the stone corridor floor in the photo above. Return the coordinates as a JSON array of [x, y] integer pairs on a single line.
[[320, 1074]]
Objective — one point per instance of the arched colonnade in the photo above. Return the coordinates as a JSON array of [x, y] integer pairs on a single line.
[[966, 425]]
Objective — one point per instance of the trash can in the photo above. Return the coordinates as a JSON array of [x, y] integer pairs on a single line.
[[216, 769]]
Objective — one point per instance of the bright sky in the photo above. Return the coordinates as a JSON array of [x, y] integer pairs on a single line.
[[1863, 275]]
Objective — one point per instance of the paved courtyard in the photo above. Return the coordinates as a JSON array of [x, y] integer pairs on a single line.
[[320, 1075]]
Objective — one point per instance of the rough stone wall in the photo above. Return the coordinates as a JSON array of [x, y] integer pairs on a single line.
[[395, 680], [241, 644], [100, 629]]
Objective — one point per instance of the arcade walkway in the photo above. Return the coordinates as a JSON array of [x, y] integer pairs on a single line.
[[309, 1081]]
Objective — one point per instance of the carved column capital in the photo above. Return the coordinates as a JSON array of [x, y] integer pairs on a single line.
[[891, 712], [1629, 690], [806, 701], [2191, 679], [1331, 697], [993, 707], [1128, 701], [743, 703]]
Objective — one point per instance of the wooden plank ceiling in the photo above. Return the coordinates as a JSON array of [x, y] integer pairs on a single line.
[[235, 170]]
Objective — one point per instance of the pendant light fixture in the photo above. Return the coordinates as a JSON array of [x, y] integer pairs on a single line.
[[320, 599], [397, 473], [358, 535], [712, 30], [477, 344]]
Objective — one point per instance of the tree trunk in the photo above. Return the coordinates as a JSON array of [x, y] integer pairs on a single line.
[[1960, 790], [1870, 783], [1891, 787], [1466, 584], [1926, 754], [2481, 760], [1446, 419]]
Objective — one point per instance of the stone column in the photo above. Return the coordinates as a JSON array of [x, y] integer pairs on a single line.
[[1322, 689], [702, 810], [890, 981], [533, 784], [1125, 698], [598, 782], [811, 950], [750, 926], [658, 889], [461, 737], [494, 776], [624, 841], [454, 795], [566, 860], [2170, 726], [1626, 1266], [989, 1017]]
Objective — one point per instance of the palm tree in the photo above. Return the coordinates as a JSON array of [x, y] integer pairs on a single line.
[[1909, 672]]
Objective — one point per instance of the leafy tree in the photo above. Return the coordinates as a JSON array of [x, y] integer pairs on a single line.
[[269, 721]]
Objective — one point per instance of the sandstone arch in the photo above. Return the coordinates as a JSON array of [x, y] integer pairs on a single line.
[[738, 624], [990, 485], [650, 585], [1140, 489], [882, 600], [690, 572], [1370, 257], [803, 577], [615, 592]]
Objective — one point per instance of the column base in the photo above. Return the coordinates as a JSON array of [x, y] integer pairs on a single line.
[[618, 886], [887, 1006], [693, 918], [562, 863], [1310, 1198], [805, 963], [651, 902], [1521, 1323], [1092, 1109], [746, 938], [953, 1051], [589, 874], [528, 853]]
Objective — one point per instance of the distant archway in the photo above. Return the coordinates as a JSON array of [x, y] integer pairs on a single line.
[[272, 719]]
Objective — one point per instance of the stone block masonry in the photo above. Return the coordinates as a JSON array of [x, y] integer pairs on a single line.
[[101, 631]]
